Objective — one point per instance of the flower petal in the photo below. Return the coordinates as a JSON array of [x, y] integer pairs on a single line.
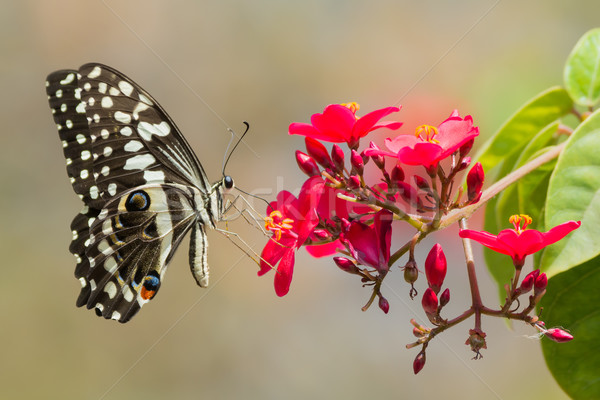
[[335, 124], [300, 128], [325, 250], [486, 239], [560, 231], [423, 153], [270, 256], [283, 275], [368, 122]]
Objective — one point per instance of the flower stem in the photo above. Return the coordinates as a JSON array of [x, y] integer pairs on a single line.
[[475, 294]]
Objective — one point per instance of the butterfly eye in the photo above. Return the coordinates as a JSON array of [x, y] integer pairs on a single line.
[[138, 201], [228, 182]]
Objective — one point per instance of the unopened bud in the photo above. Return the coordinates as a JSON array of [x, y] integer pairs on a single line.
[[307, 164], [321, 234], [422, 183], [409, 194], [418, 332], [475, 179], [346, 265], [435, 268], [377, 159], [527, 283], [337, 156], [464, 163], [540, 283], [384, 304], [445, 297], [357, 162], [397, 174], [429, 302], [419, 362], [466, 148], [558, 335], [318, 152], [353, 182]]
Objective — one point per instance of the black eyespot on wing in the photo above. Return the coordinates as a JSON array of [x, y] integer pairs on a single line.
[[137, 201]]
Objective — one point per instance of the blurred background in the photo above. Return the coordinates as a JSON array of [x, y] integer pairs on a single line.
[[213, 64]]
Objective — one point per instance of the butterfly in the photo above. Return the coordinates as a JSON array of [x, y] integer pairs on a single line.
[[142, 186]]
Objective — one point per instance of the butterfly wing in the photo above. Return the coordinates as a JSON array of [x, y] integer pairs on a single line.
[[119, 143]]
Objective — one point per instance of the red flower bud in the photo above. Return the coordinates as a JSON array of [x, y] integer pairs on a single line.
[[419, 362], [475, 179], [318, 152], [422, 183], [357, 162], [321, 234], [466, 148], [377, 159], [527, 283], [384, 304], [558, 335], [445, 297], [429, 301], [337, 156], [307, 164], [435, 268], [346, 265], [397, 174], [540, 283], [465, 162], [353, 182], [409, 194]]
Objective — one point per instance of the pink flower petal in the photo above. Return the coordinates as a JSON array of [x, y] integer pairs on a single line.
[[299, 128], [367, 123], [486, 239], [270, 256], [560, 231], [336, 123], [423, 153]]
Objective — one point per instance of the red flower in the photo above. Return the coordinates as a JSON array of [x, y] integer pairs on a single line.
[[429, 145], [520, 242], [339, 123], [370, 244], [291, 220]]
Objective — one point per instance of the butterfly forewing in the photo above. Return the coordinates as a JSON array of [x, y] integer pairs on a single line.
[[142, 186]]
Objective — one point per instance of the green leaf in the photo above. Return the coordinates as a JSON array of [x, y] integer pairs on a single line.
[[574, 194], [571, 301], [582, 70], [518, 131]]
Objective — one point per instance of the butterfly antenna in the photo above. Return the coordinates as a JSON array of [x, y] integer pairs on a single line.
[[229, 153]]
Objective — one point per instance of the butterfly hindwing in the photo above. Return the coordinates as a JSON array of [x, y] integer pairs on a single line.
[[142, 186]]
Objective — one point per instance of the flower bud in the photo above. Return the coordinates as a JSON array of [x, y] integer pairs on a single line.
[[353, 182], [464, 163], [435, 268], [429, 302], [318, 152], [337, 156], [418, 332], [377, 159], [346, 265], [422, 183], [357, 162], [397, 174], [527, 283], [558, 335], [408, 194], [466, 148], [321, 234], [475, 179], [307, 164], [384, 304], [540, 283], [445, 297], [419, 362]]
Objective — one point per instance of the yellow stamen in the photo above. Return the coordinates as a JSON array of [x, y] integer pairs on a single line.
[[277, 224], [427, 133], [353, 106], [519, 219]]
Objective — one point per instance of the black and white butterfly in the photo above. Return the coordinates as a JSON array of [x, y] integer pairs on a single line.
[[142, 186]]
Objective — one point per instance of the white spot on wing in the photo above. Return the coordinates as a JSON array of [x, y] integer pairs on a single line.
[[102, 87], [104, 133], [112, 189], [95, 72], [80, 138], [68, 79], [94, 192], [84, 174], [80, 108], [111, 289], [111, 265], [85, 155], [116, 315], [106, 102], [127, 293], [141, 161], [126, 88], [59, 93], [154, 176], [69, 124], [126, 131], [122, 117], [133, 146], [107, 151], [146, 129], [105, 170]]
